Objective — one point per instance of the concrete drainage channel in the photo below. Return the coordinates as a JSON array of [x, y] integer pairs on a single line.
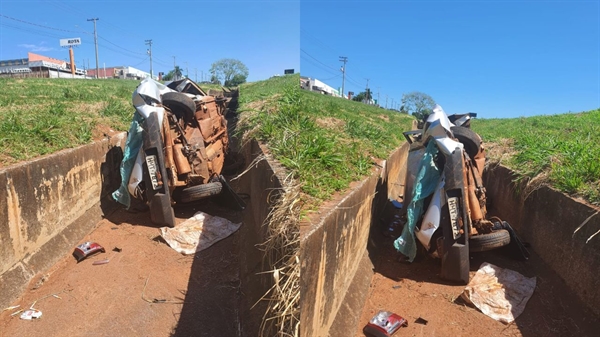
[[53, 203], [355, 272]]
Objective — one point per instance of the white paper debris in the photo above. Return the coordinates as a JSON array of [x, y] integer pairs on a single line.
[[31, 314], [198, 233], [499, 293]]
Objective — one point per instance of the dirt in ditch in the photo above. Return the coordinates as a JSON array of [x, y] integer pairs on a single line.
[[416, 291], [146, 289]]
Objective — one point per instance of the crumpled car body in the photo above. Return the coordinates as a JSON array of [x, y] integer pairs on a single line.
[[175, 148]]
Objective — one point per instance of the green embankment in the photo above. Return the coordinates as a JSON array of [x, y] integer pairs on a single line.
[[561, 150], [41, 116], [325, 142]]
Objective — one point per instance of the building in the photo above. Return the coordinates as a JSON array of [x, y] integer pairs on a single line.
[[43, 66], [314, 84], [38, 66], [123, 72]]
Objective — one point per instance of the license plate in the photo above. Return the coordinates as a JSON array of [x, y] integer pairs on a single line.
[[453, 208], [152, 168]]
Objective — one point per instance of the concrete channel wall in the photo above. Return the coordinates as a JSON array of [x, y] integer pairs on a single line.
[[564, 232], [335, 268], [47, 205], [260, 184]]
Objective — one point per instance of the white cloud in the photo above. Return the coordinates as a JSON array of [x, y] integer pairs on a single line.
[[33, 47]]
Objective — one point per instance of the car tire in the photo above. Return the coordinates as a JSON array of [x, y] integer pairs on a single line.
[[484, 242], [198, 192], [468, 138], [180, 104]]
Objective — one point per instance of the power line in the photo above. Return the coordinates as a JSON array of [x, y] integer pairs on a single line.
[[116, 45], [106, 24], [318, 42], [318, 65], [38, 25], [314, 58]]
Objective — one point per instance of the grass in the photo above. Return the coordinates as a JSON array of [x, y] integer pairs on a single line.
[[42, 116], [326, 142], [562, 149]]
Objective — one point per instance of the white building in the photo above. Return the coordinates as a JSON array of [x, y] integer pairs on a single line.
[[314, 84]]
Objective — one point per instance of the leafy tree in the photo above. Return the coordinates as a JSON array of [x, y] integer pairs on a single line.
[[174, 74], [230, 72], [363, 96], [418, 104]]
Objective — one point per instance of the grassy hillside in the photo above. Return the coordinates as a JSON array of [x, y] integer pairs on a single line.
[[562, 150], [41, 116], [326, 142]]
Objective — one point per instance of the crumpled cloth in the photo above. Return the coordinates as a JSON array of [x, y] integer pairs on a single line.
[[198, 232], [499, 293], [425, 184]]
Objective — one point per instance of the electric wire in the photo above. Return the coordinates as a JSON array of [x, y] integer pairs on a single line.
[[314, 58], [318, 65], [38, 25]]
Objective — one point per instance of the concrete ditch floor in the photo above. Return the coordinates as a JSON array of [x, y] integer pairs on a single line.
[[415, 290], [200, 293]]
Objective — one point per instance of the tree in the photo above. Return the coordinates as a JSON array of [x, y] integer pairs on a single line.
[[173, 74], [230, 72], [363, 96], [418, 104]]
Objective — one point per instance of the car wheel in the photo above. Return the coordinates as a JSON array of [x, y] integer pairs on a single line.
[[484, 242], [468, 138], [198, 192], [180, 104]]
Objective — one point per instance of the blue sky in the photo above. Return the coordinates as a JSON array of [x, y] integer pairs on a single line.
[[264, 35], [496, 58]]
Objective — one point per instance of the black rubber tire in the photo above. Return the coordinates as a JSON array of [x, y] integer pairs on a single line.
[[484, 242], [180, 104], [198, 192], [468, 138]]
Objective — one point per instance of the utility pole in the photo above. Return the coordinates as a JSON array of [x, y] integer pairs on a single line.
[[187, 74], [386, 98], [149, 43], [175, 78], [343, 59], [392, 103], [378, 96], [196, 75], [368, 93], [95, 42]]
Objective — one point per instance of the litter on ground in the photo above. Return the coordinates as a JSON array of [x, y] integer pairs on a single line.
[[499, 293], [198, 232]]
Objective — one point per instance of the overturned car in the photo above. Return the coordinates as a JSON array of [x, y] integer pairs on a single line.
[[175, 148], [445, 202]]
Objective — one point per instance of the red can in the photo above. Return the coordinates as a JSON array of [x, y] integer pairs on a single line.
[[384, 324]]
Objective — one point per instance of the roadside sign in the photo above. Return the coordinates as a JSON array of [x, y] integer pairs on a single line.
[[75, 41]]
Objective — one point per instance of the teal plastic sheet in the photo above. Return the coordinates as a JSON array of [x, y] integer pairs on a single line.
[[426, 181], [132, 149]]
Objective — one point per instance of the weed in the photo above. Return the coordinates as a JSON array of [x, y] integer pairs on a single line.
[[562, 147], [325, 157]]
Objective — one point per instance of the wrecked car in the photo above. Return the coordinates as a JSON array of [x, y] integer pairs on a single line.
[[175, 148], [445, 202]]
